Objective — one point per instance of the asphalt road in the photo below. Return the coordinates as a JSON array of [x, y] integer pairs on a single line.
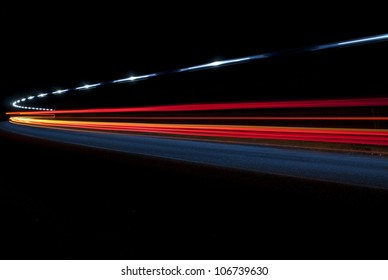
[[344, 168]]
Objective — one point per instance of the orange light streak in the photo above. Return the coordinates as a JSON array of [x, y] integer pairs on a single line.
[[340, 135]]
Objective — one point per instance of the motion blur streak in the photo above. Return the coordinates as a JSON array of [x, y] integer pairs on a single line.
[[240, 118], [342, 44], [338, 135], [359, 102]]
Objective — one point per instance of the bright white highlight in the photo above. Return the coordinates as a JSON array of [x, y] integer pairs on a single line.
[[134, 78], [88, 86], [31, 97], [214, 64], [42, 95], [364, 40], [60, 91]]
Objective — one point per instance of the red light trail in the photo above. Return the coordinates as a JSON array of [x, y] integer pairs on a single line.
[[102, 120], [351, 136], [333, 103]]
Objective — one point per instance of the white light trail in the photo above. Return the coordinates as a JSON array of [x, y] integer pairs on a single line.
[[214, 64], [60, 91], [88, 86], [364, 40], [221, 63], [134, 78]]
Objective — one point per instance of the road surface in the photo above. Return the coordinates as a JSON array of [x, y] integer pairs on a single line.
[[343, 168]]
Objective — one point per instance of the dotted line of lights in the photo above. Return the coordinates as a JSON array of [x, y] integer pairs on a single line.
[[348, 43]]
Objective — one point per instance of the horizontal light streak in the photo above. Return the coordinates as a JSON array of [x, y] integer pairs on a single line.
[[337, 135], [333, 103], [240, 118]]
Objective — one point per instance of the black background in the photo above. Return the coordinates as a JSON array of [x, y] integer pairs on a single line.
[[64, 202]]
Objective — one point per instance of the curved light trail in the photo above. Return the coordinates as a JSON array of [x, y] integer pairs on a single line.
[[19, 103]]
